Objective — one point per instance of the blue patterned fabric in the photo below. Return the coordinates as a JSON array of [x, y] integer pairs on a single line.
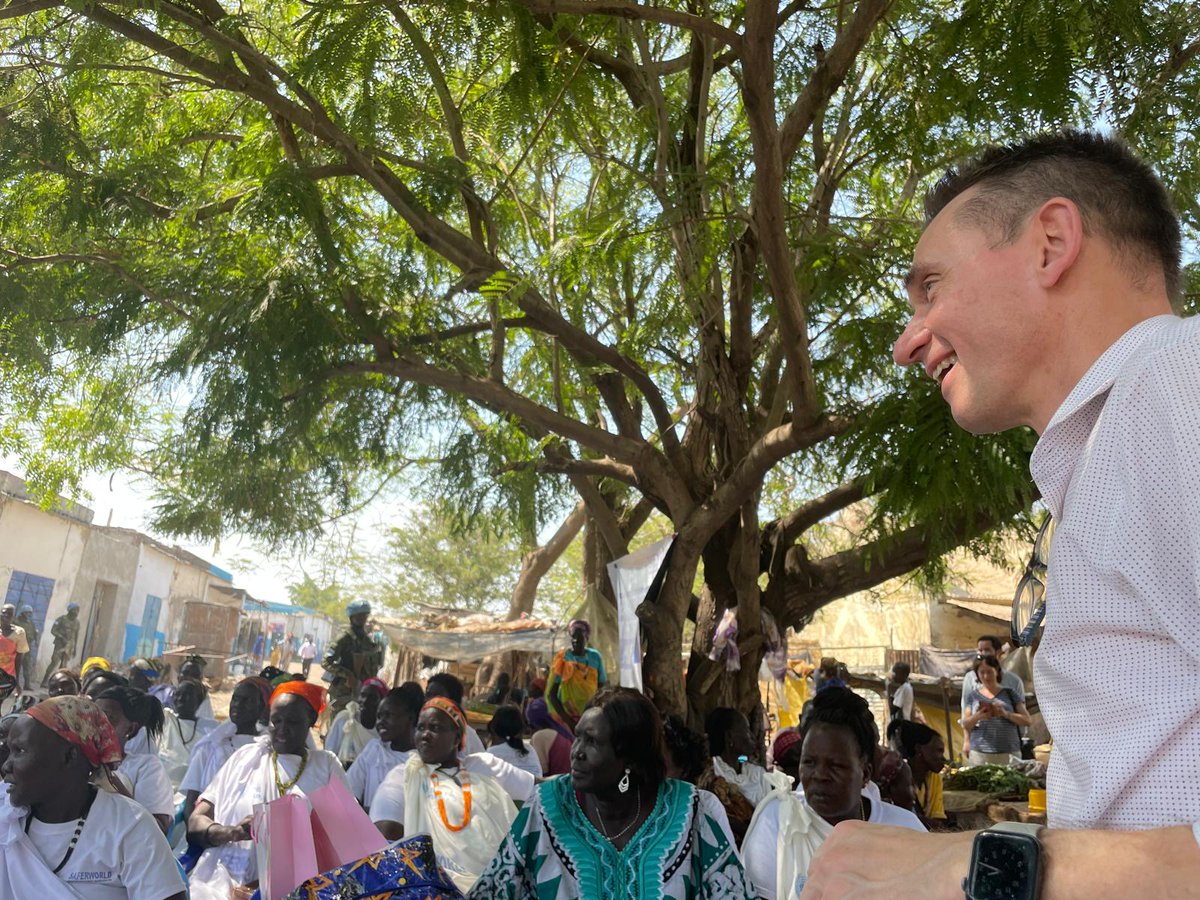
[[683, 851], [405, 870]]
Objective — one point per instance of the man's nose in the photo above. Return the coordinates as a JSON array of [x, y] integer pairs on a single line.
[[911, 344]]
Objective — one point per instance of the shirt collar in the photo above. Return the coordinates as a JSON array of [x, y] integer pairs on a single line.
[[1053, 461]]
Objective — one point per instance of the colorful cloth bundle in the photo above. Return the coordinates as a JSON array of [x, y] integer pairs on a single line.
[[405, 870]]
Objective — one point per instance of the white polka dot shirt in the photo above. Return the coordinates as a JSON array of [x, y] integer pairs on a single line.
[[1118, 671]]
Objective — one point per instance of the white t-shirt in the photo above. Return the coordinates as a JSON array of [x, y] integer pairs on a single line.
[[148, 782], [761, 845], [371, 767], [528, 763], [308, 651], [388, 803], [209, 755], [121, 854], [903, 698], [1119, 469]]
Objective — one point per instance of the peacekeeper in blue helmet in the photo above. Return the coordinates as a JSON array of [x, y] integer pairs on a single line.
[[354, 657]]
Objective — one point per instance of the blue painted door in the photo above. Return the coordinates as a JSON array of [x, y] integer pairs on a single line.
[[149, 626], [32, 590]]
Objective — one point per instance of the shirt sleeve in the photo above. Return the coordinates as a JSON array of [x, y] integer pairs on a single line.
[[602, 678], [148, 870], [194, 777], [388, 803], [518, 783], [759, 849], [937, 808], [153, 789], [357, 777], [20, 640]]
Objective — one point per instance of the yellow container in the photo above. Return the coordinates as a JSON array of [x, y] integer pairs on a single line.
[[1037, 800]]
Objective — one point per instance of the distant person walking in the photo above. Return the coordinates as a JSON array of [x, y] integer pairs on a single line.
[[308, 652], [65, 632]]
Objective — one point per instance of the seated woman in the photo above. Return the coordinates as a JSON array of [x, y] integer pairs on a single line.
[[354, 727], [617, 827], [994, 718], [98, 680], [183, 730], [835, 766], [552, 746], [464, 801], [273, 765], [396, 723], [63, 683], [131, 711], [732, 747], [65, 831], [687, 750], [249, 701], [505, 741], [925, 752]]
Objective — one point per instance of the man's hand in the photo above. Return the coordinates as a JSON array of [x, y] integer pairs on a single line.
[[877, 862]]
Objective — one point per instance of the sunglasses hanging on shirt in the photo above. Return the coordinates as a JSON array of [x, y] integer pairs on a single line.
[[1029, 601]]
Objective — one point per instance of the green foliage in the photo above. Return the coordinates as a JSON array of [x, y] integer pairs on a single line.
[[274, 257]]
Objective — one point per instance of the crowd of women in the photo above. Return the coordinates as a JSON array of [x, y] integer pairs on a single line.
[[110, 793]]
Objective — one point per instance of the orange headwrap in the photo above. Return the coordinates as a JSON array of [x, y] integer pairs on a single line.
[[450, 708], [314, 694]]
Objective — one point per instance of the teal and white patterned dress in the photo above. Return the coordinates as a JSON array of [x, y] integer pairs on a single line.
[[683, 851]]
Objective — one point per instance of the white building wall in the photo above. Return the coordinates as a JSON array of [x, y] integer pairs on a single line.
[[155, 573], [44, 544]]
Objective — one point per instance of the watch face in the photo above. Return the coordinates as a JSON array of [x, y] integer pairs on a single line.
[[1004, 867]]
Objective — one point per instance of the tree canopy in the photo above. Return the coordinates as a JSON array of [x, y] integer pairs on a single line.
[[645, 255]]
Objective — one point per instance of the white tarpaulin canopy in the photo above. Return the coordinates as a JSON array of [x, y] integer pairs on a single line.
[[466, 646]]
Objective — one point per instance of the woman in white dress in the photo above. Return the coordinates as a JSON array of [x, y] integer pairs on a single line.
[[395, 723], [132, 713], [250, 700], [835, 771], [65, 830], [273, 765], [183, 730], [464, 801], [505, 732]]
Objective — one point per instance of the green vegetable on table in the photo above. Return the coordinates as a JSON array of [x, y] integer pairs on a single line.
[[989, 780]]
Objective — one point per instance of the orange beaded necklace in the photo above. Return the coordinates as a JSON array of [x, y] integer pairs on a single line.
[[466, 789]]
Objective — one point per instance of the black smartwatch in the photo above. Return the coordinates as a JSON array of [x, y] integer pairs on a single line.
[[1006, 863]]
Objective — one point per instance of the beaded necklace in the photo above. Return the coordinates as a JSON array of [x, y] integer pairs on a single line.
[[75, 837], [279, 783], [466, 789]]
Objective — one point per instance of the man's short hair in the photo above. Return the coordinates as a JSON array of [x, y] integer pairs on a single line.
[[1118, 195], [996, 643], [902, 668]]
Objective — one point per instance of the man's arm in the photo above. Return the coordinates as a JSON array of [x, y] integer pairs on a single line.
[[874, 862]]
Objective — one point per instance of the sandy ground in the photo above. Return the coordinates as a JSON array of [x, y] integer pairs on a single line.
[[220, 697]]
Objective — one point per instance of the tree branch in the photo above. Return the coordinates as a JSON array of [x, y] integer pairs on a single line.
[[810, 586], [788, 528], [624, 9], [829, 74], [766, 452]]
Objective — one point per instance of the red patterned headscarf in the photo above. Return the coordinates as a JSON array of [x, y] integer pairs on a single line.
[[376, 685], [79, 721], [450, 708], [314, 694]]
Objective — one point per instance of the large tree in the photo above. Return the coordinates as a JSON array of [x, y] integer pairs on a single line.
[[641, 254]]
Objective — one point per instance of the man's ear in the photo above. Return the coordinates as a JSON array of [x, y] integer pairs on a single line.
[[1058, 234]]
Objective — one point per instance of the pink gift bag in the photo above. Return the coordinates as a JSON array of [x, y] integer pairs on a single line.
[[342, 832], [283, 844]]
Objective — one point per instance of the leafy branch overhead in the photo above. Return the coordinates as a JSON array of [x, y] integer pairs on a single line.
[[644, 255]]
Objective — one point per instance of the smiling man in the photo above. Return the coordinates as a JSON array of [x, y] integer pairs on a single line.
[[1041, 295]]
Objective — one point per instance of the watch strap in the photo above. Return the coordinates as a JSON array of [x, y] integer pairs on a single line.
[[1029, 829]]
